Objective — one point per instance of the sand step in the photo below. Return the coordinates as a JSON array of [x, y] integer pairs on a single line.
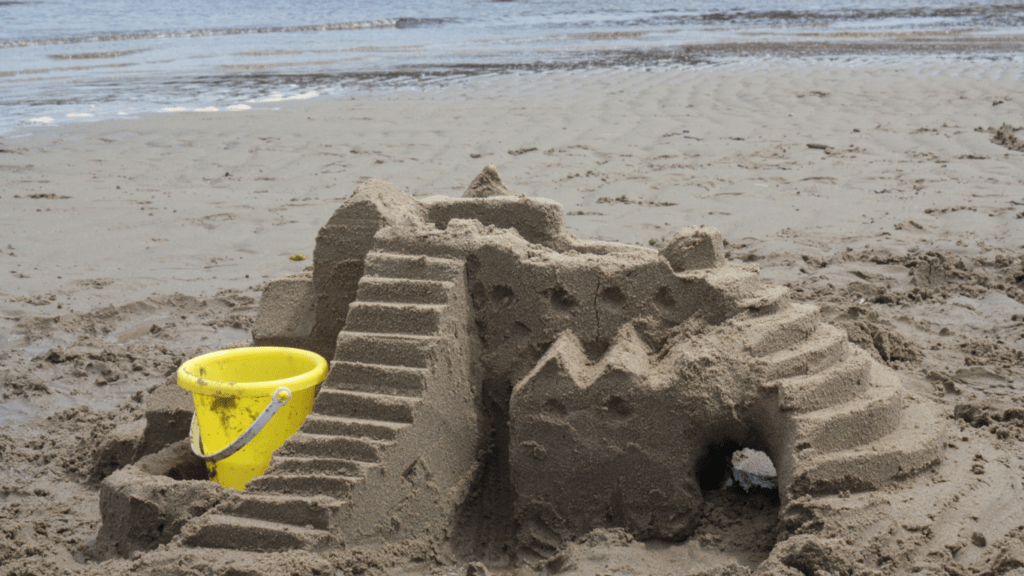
[[316, 511], [827, 346], [378, 289], [330, 446], [376, 378], [856, 423], [292, 465], [838, 384], [765, 335], [365, 405], [388, 349], [389, 265], [915, 446], [303, 484], [216, 557], [738, 282], [381, 317], [768, 295], [237, 533], [352, 427]]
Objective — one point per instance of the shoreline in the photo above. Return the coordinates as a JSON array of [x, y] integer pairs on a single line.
[[260, 84]]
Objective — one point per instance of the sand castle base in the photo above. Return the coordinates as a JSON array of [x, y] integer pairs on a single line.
[[475, 343]]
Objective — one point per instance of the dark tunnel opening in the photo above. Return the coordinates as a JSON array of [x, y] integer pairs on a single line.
[[729, 466]]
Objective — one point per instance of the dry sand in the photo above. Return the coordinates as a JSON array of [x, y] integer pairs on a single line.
[[889, 194]]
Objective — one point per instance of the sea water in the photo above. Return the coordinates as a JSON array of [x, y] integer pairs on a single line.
[[79, 60]]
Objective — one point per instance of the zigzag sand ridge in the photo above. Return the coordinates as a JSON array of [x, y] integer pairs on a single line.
[[611, 369]]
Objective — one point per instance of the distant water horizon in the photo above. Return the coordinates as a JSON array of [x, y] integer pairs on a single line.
[[67, 61]]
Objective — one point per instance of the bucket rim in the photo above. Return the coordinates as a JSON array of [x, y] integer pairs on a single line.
[[193, 382]]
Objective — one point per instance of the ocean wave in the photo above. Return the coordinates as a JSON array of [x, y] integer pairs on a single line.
[[1002, 14], [421, 22], [999, 15], [93, 55], [145, 35]]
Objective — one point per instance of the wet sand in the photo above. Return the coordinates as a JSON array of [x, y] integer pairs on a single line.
[[877, 189]]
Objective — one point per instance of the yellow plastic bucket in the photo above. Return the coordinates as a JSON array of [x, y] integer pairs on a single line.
[[248, 402]]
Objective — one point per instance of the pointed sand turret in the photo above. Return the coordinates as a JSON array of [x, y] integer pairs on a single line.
[[487, 184]]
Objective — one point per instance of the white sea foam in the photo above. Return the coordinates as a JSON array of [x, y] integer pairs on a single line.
[[41, 120], [174, 109], [80, 115], [238, 107], [207, 109], [282, 98]]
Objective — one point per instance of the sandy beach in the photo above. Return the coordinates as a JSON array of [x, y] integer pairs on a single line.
[[888, 191]]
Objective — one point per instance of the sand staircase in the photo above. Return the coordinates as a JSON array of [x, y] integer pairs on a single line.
[[847, 420], [376, 422], [848, 423]]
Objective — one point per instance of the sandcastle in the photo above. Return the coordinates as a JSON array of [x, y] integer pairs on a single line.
[[621, 377]]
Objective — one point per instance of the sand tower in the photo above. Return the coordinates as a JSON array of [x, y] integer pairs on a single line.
[[613, 376]]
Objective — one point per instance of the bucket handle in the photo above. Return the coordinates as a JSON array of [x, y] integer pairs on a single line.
[[281, 397]]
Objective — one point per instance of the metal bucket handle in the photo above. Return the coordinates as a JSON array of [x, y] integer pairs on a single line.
[[277, 401]]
